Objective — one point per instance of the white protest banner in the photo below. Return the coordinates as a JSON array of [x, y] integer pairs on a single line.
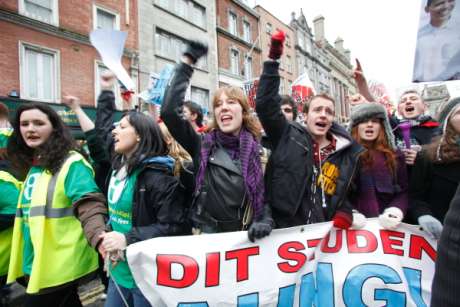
[[250, 90], [367, 267], [302, 88], [110, 45], [157, 86]]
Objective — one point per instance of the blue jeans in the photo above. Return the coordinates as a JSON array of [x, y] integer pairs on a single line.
[[134, 297]]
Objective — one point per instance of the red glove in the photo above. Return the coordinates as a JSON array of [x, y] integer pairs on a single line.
[[276, 45], [342, 220]]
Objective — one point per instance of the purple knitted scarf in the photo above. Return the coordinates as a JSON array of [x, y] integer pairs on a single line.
[[246, 149]]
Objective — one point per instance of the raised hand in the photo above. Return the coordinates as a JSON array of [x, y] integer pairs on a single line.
[[108, 79], [71, 101], [195, 50], [276, 45]]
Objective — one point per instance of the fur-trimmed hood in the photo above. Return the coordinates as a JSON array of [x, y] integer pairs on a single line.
[[366, 111]]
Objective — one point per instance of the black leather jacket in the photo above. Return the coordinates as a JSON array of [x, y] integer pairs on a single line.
[[217, 206]]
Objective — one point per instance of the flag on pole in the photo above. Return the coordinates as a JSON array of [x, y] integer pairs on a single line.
[[302, 89]]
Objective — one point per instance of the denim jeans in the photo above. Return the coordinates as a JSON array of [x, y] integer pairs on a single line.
[[134, 297]]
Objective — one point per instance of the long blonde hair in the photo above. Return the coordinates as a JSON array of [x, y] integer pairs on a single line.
[[233, 92], [176, 151]]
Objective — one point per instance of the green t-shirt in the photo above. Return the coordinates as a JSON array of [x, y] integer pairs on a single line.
[[78, 182], [9, 197], [5, 134], [120, 199]]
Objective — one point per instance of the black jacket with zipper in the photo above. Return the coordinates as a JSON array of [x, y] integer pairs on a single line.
[[289, 179], [159, 200], [219, 202]]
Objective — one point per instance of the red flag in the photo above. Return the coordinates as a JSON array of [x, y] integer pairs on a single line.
[[302, 89]]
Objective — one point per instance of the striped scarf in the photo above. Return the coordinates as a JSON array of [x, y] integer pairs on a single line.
[[246, 149]]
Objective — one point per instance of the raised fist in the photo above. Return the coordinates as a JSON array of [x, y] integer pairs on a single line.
[[195, 50], [276, 45]]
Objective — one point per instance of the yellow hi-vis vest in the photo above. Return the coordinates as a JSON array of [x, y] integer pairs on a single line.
[[61, 252], [6, 235]]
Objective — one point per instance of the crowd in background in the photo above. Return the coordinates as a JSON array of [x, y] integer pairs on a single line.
[[66, 212]]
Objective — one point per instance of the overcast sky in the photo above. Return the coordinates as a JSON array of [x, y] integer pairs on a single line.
[[380, 33]]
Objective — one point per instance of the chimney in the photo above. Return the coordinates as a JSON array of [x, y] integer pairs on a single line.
[[339, 45], [318, 24], [293, 16]]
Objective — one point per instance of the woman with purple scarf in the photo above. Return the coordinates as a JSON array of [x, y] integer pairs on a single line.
[[229, 188], [381, 188]]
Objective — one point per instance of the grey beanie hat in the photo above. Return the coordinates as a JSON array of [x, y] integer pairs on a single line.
[[364, 112], [447, 111]]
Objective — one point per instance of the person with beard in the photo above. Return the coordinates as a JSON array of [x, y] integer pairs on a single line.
[[311, 168], [229, 190], [381, 184], [436, 173]]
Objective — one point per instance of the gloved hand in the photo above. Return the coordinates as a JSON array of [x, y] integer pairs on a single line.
[[391, 218], [276, 45], [342, 220], [359, 220], [431, 225], [195, 50], [261, 226]]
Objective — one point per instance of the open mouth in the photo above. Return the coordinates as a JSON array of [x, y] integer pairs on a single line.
[[369, 132], [321, 125], [33, 138], [410, 109], [225, 119]]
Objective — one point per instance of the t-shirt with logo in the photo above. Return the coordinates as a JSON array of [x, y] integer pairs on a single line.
[[120, 199], [78, 182]]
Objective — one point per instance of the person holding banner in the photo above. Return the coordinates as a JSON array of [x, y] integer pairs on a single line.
[[311, 168], [381, 181], [60, 213], [229, 190], [436, 173], [145, 199]]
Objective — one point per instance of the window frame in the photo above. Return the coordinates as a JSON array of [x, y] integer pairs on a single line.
[[55, 12], [232, 70], [23, 71], [112, 12], [230, 19], [247, 34]]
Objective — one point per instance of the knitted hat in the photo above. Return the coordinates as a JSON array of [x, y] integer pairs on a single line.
[[365, 111], [447, 111]]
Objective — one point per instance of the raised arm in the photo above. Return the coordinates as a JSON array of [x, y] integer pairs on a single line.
[[361, 82], [268, 100], [73, 103], [173, 102]]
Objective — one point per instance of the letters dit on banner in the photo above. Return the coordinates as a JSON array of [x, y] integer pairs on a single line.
[[299, 266]]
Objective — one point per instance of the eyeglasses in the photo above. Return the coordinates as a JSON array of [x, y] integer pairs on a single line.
[[286, 110]]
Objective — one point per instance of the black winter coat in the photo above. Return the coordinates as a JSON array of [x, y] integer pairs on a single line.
[[420, 134], [432, 187], [289, 170], [446, 282], [159, 206]]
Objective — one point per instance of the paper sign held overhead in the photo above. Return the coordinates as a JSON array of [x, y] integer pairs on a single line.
[[110, 45]]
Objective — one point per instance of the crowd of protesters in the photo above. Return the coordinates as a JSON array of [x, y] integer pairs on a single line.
[[177, 176]]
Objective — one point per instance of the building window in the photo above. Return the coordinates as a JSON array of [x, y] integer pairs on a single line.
[[248, 67], [171, 47], [282, 86], [234, 61], [186, 9], [289, 90], [200, 96], [39, 69], [105, 19], [288, 64], [268, 28], [300, 40], [43, 10], [99, 70], [232, 23], [288, 41], [246, 31]]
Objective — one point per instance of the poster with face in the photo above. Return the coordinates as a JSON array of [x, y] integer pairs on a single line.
[[437, 55]]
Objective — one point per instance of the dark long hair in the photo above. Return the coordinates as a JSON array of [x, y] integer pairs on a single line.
[[444, 149], [151, 142], [51, 154], [380, 144]]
